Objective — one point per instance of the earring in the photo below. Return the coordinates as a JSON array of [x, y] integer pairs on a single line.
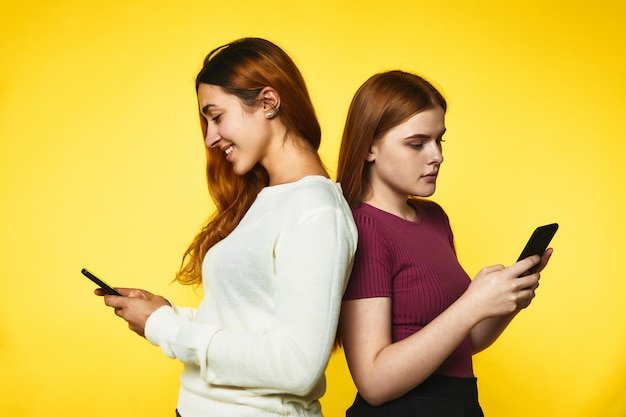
[[370, 158], [272, 112]]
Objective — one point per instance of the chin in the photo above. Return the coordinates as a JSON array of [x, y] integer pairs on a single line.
[[241, 170], [425, 192]]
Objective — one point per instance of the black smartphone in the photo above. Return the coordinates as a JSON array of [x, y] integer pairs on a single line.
[[106, 287], [539, 241]]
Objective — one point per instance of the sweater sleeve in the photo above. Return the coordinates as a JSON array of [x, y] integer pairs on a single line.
[[168, 326], [312, 261]]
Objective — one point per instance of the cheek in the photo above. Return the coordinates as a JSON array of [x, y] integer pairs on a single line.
[[400, 160], [388, 170], [401, 166]]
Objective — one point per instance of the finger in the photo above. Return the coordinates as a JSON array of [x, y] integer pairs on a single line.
[[544, 260], [536, 285], [528, 281], [525, 302], [492, 268], [522, 267], [125, 291], [548, 253], [524, 296], [135, 293], [114, 301]]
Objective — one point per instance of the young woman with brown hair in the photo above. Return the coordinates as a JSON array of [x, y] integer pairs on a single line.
[[411, 317], [273, 259]]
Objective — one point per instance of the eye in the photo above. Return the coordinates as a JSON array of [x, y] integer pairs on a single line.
[[216, 118], [416, 145]]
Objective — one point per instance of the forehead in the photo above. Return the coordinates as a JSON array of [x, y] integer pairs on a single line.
[[427, 124], [429, 121], [213, 96]]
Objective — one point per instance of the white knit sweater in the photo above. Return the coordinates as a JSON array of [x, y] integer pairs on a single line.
[[260, 341]]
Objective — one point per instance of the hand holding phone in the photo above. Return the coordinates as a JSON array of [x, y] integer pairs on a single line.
[[539, 241], [106, 287]]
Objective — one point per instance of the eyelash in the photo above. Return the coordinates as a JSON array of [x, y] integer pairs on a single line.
[[420, 145], [216, 118]]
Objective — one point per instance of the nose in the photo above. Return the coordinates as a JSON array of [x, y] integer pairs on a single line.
[[436, 154], [212, 137]]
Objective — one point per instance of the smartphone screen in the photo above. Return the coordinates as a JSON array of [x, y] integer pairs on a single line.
[[106, 287]]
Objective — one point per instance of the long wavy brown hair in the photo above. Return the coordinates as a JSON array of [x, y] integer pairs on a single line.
[[243, 68], [383, 102]]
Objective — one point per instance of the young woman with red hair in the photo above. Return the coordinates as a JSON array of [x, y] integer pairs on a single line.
[[273, 259], [411, 317]]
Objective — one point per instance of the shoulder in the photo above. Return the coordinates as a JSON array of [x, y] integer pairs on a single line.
[[374, 228], [367, 217], [312, 198], [312, 189]]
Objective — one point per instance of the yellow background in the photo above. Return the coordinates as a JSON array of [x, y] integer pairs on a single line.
[[102, 167]]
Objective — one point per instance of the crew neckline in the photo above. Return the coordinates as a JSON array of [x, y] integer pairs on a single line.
[[395, 217], [307, 178]]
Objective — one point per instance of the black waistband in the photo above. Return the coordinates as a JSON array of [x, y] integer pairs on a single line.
[[437, 396]]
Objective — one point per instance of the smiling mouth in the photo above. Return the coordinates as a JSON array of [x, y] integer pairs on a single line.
[[228, 150]]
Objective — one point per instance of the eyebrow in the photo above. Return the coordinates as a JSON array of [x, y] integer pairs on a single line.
[[206, 108], [424, 135]]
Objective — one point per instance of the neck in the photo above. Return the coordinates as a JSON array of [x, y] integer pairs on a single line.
[[292, 160]]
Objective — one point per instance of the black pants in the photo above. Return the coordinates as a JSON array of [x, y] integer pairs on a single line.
[[438, 396]]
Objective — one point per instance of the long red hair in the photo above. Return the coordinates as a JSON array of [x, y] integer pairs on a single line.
[[383, 102], [243, 68]]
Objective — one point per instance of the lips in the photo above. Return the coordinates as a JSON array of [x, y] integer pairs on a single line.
[[228, 150], [431, 177]]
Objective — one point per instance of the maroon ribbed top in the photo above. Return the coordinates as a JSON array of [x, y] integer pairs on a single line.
[[415, 264]]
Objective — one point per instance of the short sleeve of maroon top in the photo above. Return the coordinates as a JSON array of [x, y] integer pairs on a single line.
[[415, 264]]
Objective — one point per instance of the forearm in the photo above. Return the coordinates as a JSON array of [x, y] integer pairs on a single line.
[[383, 371], [268, 363], [487, 331], [275, 360], [399, 367]]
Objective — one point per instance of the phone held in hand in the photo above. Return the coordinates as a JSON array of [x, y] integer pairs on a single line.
[[106, 287], [539, 241]]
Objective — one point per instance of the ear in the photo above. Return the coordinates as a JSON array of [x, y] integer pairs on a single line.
[[270, 101], [371, 153]]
